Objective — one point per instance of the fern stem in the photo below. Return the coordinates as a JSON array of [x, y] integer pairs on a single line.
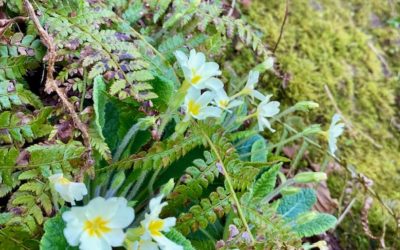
[[232, 190]]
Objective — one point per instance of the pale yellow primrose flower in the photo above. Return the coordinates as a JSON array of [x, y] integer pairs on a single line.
[[197, 71], [264, 110], [249, 89], [98, 225], [335, 130], [68, 190], [197, 105], [154, 226], [223, 101]]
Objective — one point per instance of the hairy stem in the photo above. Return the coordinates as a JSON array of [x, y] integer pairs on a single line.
[[125, 141], [298, 157], [137, 186]]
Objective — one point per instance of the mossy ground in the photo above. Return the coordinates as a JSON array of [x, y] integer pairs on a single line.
[[348, 46]]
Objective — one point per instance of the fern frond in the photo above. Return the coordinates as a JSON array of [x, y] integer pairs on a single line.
[[196, 179], [106, 52], [208, 210], [161, 154], [15, 95], [20, 56], [20, 127]]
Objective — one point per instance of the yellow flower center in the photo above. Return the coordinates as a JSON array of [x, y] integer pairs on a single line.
[[64, 181], [155, 227], [96, 227], [196, 79], [223, 103], [193, 107]]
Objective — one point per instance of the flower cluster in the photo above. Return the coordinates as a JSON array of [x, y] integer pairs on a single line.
[[206, 96], [100, 224]]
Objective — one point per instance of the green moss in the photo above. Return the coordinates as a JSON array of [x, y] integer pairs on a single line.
[[349, 47]]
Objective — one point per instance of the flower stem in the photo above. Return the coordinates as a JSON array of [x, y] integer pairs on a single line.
[[242, 119], [325, 162], [283, 137], [276, 191], [138, 184], [298, 157], [230, 186], [282, 114], [240, 93]]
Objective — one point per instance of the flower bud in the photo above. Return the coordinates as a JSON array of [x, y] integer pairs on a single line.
[[313, 129], [167, 188], [290, 190], [307, 177], [266, 65], [306, 105]]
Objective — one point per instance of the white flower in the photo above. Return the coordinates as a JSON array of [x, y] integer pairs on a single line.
[[223, 101], [68, 190], [335, 130], [249, 89], [196, 70], [196, 105], [266, 109], [154, 226], [98, 225]]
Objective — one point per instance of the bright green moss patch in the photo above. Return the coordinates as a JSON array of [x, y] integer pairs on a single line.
[[349, 47]]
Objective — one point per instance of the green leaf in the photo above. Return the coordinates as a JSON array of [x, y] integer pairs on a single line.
[[99, 104], [266, 183], [313, 223], [53, 237], [293, 205], [164, 89], [178, 238], [244, 146], [99, 101], [259, 151], [119, 117]]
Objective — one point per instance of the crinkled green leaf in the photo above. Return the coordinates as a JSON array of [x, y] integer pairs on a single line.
[[313, 223], [53, 237], [293, 205]]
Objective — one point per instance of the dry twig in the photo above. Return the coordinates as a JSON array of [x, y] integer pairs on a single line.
[[282, 26], [51, 85]]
